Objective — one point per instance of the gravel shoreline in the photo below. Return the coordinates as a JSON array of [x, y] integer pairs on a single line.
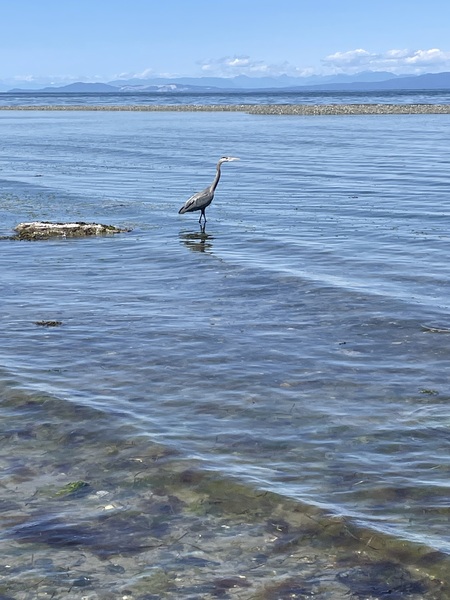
[[258, 109]]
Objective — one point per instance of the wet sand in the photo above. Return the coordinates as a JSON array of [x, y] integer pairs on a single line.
[[259, 109]]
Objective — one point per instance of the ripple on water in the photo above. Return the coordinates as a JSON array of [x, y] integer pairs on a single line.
[[282, 348]]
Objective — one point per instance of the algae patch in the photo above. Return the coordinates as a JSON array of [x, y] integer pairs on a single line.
[[73, 488]]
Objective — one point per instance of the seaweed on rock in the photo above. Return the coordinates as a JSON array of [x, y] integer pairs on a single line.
[[41, 230]]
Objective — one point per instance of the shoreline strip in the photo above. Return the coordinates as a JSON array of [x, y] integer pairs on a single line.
[[254, 109]]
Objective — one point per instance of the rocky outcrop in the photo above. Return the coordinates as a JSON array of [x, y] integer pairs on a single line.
[[41, 230]]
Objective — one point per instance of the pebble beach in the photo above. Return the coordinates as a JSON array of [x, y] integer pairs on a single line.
[[259, 109]]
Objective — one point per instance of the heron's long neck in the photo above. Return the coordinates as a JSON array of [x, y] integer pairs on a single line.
[[216, 179]]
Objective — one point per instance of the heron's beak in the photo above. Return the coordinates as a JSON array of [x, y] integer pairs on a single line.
[[233, 158]]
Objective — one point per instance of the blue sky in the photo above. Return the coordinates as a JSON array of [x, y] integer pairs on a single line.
[[102, 40]]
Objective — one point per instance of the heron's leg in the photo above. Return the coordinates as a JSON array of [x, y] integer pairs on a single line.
[[202, 214]]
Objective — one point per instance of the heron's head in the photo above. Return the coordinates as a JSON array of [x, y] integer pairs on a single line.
[[228, 159]]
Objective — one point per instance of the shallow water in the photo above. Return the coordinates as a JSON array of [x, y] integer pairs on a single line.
[[284, 348]]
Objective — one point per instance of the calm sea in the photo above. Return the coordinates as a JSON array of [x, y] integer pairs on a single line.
[[295, 354], [238, 97]]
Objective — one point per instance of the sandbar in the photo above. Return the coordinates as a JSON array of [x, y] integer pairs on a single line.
[[255, 109]]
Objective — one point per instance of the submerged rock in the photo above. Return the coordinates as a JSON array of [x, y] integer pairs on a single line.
[[41, 230], [48, 324]]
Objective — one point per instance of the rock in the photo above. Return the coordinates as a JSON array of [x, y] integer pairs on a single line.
[[48, 324], [41, 230]]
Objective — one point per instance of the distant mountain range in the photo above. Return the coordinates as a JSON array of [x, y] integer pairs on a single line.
[[365, 81]]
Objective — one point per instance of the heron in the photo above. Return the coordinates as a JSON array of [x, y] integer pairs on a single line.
[[201, 200]]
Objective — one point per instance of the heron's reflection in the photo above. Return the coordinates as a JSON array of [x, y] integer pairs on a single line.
[[197, 241]]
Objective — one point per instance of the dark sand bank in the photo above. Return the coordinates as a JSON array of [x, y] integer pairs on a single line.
[[260, 109]]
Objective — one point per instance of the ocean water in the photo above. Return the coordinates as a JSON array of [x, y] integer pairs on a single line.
[[223, 97], [291, 359]]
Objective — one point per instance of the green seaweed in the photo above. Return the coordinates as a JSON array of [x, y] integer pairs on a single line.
[[73, 488]]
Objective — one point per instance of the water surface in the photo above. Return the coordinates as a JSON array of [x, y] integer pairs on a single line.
[[226, 97], [284, 348]]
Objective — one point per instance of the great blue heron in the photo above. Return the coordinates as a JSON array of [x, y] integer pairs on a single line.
[[201, 200]]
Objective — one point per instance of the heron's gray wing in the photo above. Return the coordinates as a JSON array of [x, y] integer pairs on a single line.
[[197, 201]]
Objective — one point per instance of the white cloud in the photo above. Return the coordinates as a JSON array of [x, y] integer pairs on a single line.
[[40, 80], [238, 61], [145, 74], [351, 58], [398, 61], [243, 65], [434, 56], [30, 78]]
